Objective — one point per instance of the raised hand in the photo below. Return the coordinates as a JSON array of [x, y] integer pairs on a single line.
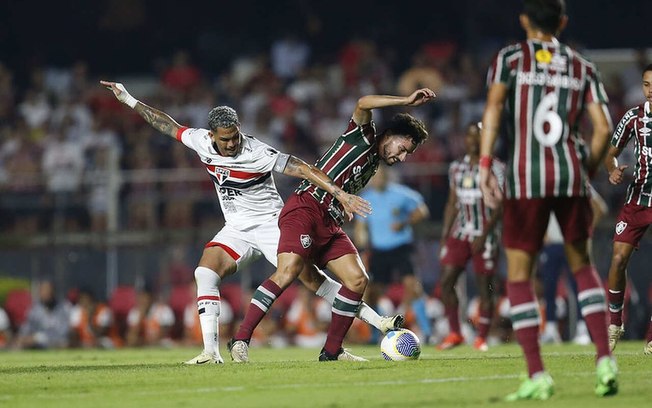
[[120, 93], [421, 96]]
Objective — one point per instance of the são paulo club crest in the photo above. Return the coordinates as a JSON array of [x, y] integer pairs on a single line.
[[620, 227], [221, 174], [306, 241]]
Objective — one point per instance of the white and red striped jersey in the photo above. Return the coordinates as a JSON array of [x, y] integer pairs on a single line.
[[472, 214], [244, 183], [549, 86], [637, 124]]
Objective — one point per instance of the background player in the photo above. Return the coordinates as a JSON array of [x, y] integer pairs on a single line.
[[636, 215], [546, 87], [469, 233]]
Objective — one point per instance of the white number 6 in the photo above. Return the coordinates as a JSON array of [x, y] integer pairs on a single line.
[[546, 113]]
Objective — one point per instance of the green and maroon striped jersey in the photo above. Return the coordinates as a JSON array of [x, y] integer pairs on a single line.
[[549, 87], [350, 162], [472, 214], [637, 124]]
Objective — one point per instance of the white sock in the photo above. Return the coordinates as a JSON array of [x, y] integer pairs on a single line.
[[208, 307], [329, 289]]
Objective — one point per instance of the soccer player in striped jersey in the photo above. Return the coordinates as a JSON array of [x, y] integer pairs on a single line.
[[470, 233], [241, 168], [636, 215], [311, 232], [546, 87]]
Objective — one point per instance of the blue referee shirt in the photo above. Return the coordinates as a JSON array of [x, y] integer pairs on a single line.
[[394, 204]]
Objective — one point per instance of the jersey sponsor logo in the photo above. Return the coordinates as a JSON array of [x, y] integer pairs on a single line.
[[221, 174], [552, 81], [620, 227], [646, 151], [270, 152], [306, 241], [543, 56]]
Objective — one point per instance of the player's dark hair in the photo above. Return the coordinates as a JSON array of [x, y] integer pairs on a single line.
[[408, 125], [222, 117], [647, 68], [545, 14]]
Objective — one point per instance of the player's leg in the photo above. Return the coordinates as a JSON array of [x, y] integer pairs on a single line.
[[622, 252], [575, 217], [524, 224], [551, 261], [631, 224], [449, 277], [484, 266], [648, 339], [453, 257], [289, 267], [217, 262], [323, 286], [350, 270]]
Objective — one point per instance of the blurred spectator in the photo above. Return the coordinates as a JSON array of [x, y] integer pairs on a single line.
[[149, 321], [181, 76], [63, 169], [91, 323], [48, 321], [21, 198], [289, 56], [179, 195]]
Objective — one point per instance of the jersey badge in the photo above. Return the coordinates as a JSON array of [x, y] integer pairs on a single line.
[[620, 227], [221, 174], [306, 241]]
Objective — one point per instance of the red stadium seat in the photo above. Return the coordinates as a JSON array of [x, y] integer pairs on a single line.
[[122, 300], [17, 306], [180, 297]]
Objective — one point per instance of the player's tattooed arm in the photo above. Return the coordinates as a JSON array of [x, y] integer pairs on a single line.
[[159, 120], [352, 203]]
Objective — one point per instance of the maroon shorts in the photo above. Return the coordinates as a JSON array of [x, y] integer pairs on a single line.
[[631, 224], [457, 253], [525, 220], [308, 230]]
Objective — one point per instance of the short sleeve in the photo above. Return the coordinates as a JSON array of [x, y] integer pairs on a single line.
[[595, 92], [191, 137], [625, 129], [264, 158]]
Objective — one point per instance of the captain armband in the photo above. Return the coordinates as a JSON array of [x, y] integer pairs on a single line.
[[281, 162]]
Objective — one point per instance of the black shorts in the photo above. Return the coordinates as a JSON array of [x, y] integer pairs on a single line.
[[390, 266]]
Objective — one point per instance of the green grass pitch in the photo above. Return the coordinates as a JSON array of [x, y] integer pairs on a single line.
[[293, 377]]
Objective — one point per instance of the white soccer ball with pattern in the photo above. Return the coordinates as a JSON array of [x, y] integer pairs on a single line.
[[400, 345]]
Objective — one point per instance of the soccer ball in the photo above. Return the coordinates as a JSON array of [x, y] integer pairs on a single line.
[[400, 345]]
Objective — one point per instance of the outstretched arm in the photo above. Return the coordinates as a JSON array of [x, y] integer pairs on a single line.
[[352, 203], [362, 113], [160, 121]]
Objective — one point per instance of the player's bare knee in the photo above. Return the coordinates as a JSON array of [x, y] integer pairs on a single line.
[[357, 283]]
